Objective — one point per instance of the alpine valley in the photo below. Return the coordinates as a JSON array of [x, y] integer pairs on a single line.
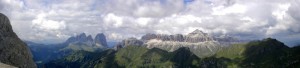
[[44, 53]]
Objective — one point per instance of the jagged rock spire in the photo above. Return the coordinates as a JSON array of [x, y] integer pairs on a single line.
[[101, 39]]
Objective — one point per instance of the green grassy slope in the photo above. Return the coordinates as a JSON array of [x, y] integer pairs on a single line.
[[267, 53]]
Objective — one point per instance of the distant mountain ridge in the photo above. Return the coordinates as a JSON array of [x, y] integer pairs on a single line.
[[45, 53], [99, 39], [266, 53], [87, 43], [200, 43], [128, 42], [193, 37]]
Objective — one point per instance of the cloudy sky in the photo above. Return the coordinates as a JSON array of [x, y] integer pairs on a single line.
[[53, 21]]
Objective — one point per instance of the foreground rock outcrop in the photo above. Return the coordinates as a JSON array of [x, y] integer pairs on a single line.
[[13, 51], [6, 66]]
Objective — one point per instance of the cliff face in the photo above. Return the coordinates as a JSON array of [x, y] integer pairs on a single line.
[[101, 39], [13, 51], [129, 42], [193, 37], [200, 43], [80, 38]]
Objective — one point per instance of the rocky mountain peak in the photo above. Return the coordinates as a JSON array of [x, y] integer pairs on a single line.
[[89, 38], [197, 32], [198, 36], [193, 37], [129, 42], [149, 36], [13, 51], [198, 42], [101, 39], [5, 27], [81, 36]]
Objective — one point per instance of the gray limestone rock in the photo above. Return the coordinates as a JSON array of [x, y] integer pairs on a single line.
[[129, 42]]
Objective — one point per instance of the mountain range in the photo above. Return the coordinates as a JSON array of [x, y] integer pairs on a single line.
[[44, 53], [194, 50], [200, 43], [266, 53], [99, 40]]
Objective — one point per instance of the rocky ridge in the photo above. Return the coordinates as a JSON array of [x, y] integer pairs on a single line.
[[128, 42], [200, 43], [99, 40]]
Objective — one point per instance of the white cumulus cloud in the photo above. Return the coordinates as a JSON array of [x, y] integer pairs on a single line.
[[48, 20]]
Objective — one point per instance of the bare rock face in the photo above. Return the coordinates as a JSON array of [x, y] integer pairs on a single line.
[[149, 37], [163, 37], [198, 36], [86, 42], [200, 43], [13, 51], [129, 42], [80, 38], [194, 37], [101, 39]]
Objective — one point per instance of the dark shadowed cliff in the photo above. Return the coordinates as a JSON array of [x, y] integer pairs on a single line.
[[13, 51]]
